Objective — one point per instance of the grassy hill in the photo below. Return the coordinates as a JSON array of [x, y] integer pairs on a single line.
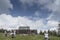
[[27, 37]]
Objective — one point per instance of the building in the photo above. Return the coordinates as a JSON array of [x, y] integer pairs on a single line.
[[33, 31], [25, 30]]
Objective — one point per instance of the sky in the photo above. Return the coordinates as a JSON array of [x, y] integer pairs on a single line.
[[37, 14]]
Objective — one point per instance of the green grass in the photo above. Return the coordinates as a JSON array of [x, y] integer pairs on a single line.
[[27, 37]]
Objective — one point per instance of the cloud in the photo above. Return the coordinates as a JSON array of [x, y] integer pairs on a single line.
[[7, 21], [11, 22], [53, 23], [47, 3], [54, 29], [52, 5], [54, 16], [35, 1], [37, 14], [55, 7], [5, 5]]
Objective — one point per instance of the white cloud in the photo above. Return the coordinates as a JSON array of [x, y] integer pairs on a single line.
[[8, 21], [5, 5], [53, 29], [53, 23]]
